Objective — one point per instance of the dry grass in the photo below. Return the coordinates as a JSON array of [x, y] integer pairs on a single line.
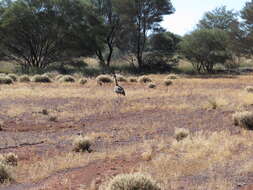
[[14, 77], [152, 85], [24, 78], [83, 81], [167, 82], [67, 78], [181, 133], [172, 77], [104, 79], [132, 182], [144, 79], [10, 159], [41, 79], [82, 144], [5, 80], [244, 119], [5, 175]]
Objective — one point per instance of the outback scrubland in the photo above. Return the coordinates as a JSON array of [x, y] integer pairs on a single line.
[[183, 134]]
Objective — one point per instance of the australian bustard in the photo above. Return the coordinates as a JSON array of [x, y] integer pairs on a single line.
[[118, 89]]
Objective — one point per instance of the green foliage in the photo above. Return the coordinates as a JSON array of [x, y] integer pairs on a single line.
[[39, 32], [165, 42], [138, 18], [136, 181], [158, 61], [205, 48], [220, 18]]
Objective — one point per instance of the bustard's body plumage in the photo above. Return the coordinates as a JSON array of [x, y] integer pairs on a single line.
[[118, 89]]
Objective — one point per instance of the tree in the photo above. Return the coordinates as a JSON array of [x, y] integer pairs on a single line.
[[165, 42], [111, 21], [36, 33], [138, 18], [220, 18], [205, 48]]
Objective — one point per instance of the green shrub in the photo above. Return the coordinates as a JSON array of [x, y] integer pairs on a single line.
[[83, 81], [13, 77], [41, 79], [24, 78], [4, 173], [144, 79], [104, 79], [151, 85], [131, 79], [9, 159], [6, 80], [181, 133], [82, 144], [167, 82], [244, 119], [67, 78], [134, 181]]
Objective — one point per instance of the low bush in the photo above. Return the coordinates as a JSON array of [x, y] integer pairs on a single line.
[[10, 159], [82, 144], [144, 79], [181, 133], [5, 80], [4, 173], [104, 79], [152, 85], [58, 77], [13, 77], [244, 119], [67, 78], [83, 81], [24, 78], [41, 79], [121, 78], [136, 181], [249, 89], [132, 79], [172, 77], [167, 82]]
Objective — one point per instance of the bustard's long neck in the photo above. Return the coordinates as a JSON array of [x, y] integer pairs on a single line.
[[115, 78]]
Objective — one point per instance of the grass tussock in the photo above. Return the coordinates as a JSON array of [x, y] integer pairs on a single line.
[[10, 159], [181, 133], [83, 81], [104, 79], [13, 76], [172, 77], [5, 80], [135, 181], [24, 78], [144, 79], [121, 78], [82, 144], [167, 82], [67, 79], [58, 77], [152, 85], [244, 119], [249, 89], [132, 79], [41, 79], [5, 175]]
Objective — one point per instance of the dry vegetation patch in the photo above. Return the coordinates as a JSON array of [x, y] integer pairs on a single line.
[[67, 78], [144, 79], [24, 78], [244, 119], [5, 80], [135, 181], [104, 79], [41, 79]]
